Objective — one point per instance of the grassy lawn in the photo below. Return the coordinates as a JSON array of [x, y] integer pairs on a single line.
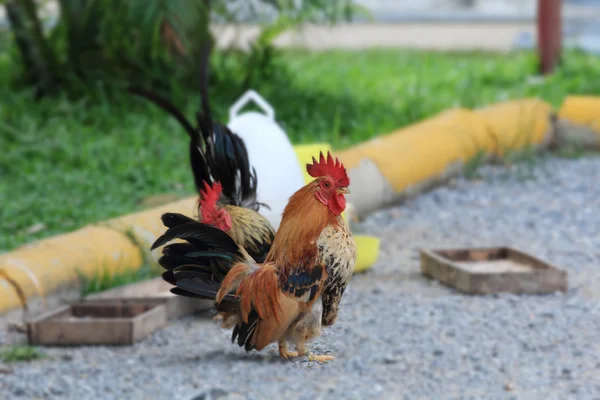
[[65, 164]]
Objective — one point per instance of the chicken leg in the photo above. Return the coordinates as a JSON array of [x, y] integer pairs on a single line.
[[284, 352]]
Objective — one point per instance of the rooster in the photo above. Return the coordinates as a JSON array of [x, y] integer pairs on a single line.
[[225, 182], [295, 291]]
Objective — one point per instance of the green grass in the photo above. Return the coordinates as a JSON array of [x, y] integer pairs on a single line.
[[11, 354], [68, 163], [104, 280]]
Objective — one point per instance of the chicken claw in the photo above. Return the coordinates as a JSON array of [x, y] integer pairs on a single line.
[[321, 358], [285, 353]]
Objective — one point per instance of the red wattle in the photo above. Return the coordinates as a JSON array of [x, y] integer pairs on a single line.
[[338, 205]]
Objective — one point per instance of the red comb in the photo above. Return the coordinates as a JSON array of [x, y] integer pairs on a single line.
[[210, 195], [329, 167]]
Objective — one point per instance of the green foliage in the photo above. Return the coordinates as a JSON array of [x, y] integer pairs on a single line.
[[132, 40], [472, 165], [40, 66], [152, 43], [11, 354], [574, 150]]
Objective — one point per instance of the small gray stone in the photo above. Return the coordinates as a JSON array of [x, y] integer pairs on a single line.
[[212, 394]]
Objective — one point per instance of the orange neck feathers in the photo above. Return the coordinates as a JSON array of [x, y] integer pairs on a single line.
[[303, 220]]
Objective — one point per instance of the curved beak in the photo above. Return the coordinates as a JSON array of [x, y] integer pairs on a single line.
[[344, 190]]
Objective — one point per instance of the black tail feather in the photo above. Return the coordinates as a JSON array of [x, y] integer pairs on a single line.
[[243, 332], [179, 249], [201, 236], [204, 119], [231, 166], [167, 106], [215, 152], [230, 303], [171, 220], [198, 161], [197, 267]]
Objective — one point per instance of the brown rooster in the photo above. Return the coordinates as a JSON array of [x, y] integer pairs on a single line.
[[225, 182], [299, 286]]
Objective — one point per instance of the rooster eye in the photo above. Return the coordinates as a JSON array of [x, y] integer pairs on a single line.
[[327, 184]]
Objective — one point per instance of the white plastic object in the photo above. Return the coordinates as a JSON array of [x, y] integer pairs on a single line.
[[270, 152]]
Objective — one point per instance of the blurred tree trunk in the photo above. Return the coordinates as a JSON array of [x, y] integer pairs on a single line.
[[38, 58], [549, 26], [81, 22]]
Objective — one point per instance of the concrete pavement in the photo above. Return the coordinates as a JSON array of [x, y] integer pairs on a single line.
[[431, 36]]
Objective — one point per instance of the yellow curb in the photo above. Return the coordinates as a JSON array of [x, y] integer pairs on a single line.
[[420, 156], [425, 149], [145, 226], [48, 264], [9, 297], [519, 123], [583, 111], [105, 247], [452, 136]]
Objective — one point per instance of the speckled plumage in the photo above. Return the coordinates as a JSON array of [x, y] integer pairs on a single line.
[[250, 230], [307, 326], [338, 251]]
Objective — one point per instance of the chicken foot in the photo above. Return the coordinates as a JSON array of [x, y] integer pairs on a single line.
[[301, 347], [284, 352]]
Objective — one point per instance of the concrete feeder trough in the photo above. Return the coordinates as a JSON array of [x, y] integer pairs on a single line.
[[492, 270], [154, 290], [87, 323]]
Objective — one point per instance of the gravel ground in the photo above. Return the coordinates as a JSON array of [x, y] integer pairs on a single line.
[[399, 335]]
